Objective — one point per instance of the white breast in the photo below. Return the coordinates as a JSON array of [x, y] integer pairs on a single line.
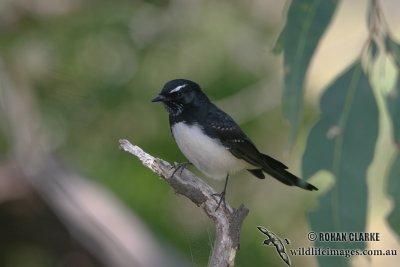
[[206, 153]]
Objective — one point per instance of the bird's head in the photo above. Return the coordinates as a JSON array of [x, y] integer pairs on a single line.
[[178, 94]]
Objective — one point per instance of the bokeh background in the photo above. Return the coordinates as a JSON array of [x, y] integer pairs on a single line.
[[76, 76]]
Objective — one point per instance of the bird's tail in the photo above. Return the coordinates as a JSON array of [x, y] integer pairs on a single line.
[[278, 170]]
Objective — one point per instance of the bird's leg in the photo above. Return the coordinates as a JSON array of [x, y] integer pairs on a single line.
[[179, 166], [222, 194]]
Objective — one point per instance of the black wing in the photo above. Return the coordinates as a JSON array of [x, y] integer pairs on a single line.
[[220, 125]]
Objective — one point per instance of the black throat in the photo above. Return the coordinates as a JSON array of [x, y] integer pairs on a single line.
[[191, 113]]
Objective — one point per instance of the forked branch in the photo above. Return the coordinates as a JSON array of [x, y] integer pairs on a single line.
[[227, 220]]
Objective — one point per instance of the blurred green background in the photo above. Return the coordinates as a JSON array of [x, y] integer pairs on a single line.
[[91, 67]]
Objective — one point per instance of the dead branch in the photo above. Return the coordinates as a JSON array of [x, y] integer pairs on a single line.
[[228, 220]]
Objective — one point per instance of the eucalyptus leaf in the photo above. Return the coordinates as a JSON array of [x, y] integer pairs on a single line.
[[306, 22], [393, 106], [393, 190], [373, 50], [343, 143], [393, 48]]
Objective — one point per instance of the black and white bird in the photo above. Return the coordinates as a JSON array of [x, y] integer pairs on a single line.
[[212, 141]]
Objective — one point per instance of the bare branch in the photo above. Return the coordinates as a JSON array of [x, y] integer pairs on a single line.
[[228, 220]]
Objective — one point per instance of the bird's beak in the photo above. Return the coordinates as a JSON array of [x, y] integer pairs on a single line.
[[159, 98]]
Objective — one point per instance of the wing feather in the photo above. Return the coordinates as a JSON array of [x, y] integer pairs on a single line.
[[222, 126]]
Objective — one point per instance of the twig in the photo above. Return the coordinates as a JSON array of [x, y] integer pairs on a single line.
[[228, 220]]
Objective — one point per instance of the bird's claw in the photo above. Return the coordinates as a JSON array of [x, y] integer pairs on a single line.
[[221, 199], [179, 166]]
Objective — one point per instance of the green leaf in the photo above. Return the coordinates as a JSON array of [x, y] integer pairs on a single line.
[[393, 48], [393, 106], [306, 22], [373, 50], [343, 143], [393, 190]]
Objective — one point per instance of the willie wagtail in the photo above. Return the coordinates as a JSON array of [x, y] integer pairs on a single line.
[[212, 141]]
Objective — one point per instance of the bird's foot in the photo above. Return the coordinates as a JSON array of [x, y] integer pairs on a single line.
[[221, 199], [179, 167]]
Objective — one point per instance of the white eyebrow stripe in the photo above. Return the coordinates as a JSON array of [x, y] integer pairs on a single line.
[[177, 88]]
